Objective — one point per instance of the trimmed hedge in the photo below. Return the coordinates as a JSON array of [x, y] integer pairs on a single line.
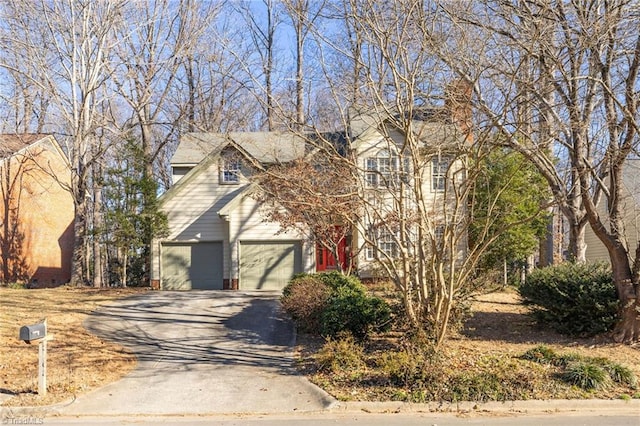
[[331, 303], [574, 299]]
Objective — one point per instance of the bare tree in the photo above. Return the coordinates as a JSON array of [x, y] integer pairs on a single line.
[[216, 84], [583, 60], [26, 100], [412, 161], [262, 31], [153, 40], [78, 35], [302, 19], [315, 197]]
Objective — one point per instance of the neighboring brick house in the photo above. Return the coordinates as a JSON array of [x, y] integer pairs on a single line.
[[37, 211]]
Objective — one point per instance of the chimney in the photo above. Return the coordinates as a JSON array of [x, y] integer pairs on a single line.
[[457, 103]]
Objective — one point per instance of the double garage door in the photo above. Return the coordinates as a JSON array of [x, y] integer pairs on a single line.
[[199, 266]]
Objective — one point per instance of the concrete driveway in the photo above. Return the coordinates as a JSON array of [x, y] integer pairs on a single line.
[[201, 352]]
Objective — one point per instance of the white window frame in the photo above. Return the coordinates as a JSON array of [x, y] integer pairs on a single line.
[[383, 241], [439, 167], [387, 244], [371, 173], [383, 169], [230, 171]]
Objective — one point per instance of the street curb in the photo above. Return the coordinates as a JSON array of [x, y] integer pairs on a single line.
[[531, 407], [9, 412], [514, 408]]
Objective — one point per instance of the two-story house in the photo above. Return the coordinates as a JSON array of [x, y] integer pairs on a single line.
[[219, 235], [37, 211], [406, 183]]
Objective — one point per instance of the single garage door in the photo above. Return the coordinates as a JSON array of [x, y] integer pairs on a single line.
[[269, 265], [192, 266]]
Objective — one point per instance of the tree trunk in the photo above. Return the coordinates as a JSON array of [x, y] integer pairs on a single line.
[[98, 272], [577, 244], [125, 260], [505, 280], [627, 329], [78, 277], [547, 243]]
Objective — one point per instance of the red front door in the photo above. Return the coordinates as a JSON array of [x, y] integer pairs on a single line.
[[326, 261]]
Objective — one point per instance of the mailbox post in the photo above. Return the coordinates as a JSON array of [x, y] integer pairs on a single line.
[[38, 333]]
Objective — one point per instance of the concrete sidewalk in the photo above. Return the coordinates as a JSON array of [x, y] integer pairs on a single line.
[[471, 409]]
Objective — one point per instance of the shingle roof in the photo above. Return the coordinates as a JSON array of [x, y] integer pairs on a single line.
[[12, 143], [265, 147]]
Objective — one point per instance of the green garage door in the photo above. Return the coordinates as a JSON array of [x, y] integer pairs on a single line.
[[192, 266], [268, 265]]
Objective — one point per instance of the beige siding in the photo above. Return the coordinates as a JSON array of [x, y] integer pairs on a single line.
[[596, 250], [192, 213], [369, 144], [247, 223]]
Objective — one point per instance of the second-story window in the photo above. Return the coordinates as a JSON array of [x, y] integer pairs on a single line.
[[383, 170], [439, 167], [371, 174], [230, 171]]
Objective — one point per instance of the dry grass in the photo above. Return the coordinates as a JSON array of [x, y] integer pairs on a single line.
[[490, 345], [77, 361]]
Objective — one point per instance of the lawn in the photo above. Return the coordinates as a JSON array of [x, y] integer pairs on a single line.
[[77, 360], [485, 356]]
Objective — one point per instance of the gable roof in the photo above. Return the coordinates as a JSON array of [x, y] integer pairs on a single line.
[[12, 143], [432, 125], [264, 147]]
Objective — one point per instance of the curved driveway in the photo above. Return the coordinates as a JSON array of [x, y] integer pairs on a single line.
[[201, 352]]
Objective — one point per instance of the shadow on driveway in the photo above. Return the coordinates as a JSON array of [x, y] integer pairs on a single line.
[[202, 352]]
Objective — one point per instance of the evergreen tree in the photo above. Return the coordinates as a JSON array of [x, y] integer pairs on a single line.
[[133, 218], [509, 192]]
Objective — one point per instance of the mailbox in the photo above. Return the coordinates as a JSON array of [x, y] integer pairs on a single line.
[[29, 333]]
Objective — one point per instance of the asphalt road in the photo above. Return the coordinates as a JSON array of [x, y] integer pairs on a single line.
[[201, 352]]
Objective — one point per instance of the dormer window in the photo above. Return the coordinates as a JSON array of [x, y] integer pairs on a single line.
[[230, 171]]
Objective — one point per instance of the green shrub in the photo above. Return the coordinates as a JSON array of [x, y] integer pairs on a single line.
[[541, 354], [618, 373], [586, 375], [340, 283], [305, 298], [341, 354], [573, 299], [355, 313], [331, 303], [401, 367]]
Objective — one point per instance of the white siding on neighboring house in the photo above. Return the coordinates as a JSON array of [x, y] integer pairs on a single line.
[[596, 251]]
